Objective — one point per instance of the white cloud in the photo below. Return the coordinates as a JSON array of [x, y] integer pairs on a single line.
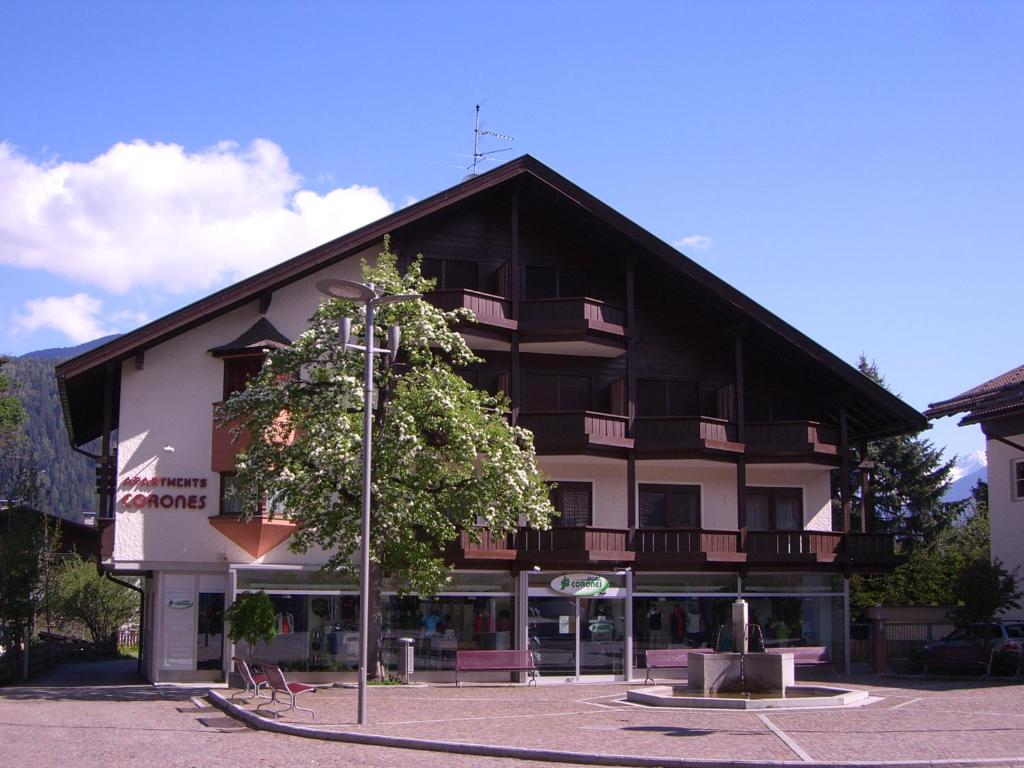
[[156, 216], [77, 317], [693, 242]]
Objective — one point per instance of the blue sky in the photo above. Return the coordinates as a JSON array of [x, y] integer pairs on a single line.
[[856, 168]]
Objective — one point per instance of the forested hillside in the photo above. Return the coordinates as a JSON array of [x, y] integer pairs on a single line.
[[68, 485]]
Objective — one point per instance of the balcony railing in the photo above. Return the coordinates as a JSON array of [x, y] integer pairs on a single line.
[[870, 548], [772, 546], [589, 543], [666, 545], [579, 313], [489, 309], [568, 430], [487, 546], [791, 437], [680, 433]]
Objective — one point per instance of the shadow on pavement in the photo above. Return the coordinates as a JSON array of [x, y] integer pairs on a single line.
[[101, 680]]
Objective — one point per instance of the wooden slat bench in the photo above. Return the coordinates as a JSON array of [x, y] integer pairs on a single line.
[[959, 656], [669, 658], [807, 655], [495, 661]]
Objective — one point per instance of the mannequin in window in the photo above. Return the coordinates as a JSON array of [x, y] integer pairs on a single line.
[[654, 625]]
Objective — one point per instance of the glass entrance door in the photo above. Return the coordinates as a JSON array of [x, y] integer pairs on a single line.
[[574, 636], [602, 628]]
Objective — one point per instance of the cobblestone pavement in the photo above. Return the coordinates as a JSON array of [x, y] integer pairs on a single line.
[[102, 715], [906, 719]]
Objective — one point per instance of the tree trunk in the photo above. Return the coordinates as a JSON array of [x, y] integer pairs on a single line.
[[374, 657]]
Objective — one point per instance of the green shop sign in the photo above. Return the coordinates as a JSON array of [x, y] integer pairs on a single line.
[[580, 584]]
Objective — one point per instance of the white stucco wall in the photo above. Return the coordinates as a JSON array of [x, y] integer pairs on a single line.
[[717, 483], [609, 484], [1005, 512], [815, 481], [169, 403]]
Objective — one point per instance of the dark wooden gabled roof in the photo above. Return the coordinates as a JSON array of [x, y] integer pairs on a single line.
[[999, 396], [80, 379], [261, 336]]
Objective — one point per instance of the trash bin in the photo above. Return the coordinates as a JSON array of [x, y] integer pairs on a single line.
[[406, 656]]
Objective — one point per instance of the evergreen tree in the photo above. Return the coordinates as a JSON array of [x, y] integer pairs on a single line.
[[908, 482]]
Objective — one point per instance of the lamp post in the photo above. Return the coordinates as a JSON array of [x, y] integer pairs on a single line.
[[351, 290]]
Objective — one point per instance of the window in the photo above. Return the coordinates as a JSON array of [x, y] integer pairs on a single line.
[[669, 506], [554, 283], [238, 371], [572, 500], [1018, 480], [452, 274], [230, 502], [551, 392], [659, 398], [775, 509]]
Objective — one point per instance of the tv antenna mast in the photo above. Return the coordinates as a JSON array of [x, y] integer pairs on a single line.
[[478, 156]]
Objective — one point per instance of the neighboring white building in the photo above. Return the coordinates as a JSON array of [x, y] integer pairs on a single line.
[[692, 434], [998, 406]]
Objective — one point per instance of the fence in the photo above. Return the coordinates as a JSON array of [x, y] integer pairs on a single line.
[[901, 638], [128, 636]]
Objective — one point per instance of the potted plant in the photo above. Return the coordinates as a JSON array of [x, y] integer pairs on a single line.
[[252, 619]]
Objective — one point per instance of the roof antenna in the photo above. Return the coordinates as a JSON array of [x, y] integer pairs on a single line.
[[478, 156]]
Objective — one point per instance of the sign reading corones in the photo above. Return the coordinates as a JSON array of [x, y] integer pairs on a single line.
[[580, 584]]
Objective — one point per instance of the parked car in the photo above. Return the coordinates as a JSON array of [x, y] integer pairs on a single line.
[[1002, 636]]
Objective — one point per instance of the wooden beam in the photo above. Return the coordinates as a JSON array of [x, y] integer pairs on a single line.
[[844, 467], [263, 302], [741, 437], [866, 508]]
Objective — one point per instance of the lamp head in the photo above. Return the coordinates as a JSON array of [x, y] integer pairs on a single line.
[[349, 290]]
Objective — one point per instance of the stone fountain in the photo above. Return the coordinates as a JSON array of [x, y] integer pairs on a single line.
[[741, 679], [740, 671]]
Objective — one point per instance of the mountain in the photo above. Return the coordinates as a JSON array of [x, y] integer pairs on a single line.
[[970, 468], [58, 354], [68, 485]]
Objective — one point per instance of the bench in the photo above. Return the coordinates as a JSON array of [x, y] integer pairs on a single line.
[[669, 658], [806, 655], [959, 656], [495, 661]]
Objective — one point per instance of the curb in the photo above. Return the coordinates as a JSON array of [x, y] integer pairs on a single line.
[[556, 756]]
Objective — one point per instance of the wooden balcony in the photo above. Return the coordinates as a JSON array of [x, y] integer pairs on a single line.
[[670, 435], [777, 439], [865, 551], [668, 547], [222, 450], [491, 311], [565, 547], [482, 549], [793, 546], [579, 326], [682, 547], [573, 431]]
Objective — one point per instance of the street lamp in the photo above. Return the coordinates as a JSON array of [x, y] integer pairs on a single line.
[[350, 290]]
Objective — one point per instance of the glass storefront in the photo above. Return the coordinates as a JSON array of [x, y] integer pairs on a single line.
[[318, 618], [319, 632]]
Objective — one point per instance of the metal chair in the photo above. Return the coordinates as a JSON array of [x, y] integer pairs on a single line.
[[277, 684], [253, 681]]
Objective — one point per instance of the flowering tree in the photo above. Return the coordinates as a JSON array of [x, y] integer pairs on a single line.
[[445, 458]]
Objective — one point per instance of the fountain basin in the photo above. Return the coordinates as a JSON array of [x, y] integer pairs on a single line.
[[795, 697], [740, 673]]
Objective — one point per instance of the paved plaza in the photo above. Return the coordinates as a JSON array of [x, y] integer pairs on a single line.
[[86, 715]]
